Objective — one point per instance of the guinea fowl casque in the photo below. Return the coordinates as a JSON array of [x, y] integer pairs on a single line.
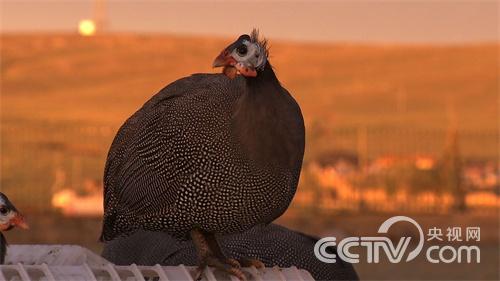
[[9, 218], [209, 154]]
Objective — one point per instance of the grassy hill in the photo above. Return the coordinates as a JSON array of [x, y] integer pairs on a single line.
[[104, 79]]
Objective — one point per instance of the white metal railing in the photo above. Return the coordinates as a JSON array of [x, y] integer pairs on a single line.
[[74, 263]]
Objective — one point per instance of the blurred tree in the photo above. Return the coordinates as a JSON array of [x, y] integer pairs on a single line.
[[450, 169], [420, 180], [310, 181], [315, 133]]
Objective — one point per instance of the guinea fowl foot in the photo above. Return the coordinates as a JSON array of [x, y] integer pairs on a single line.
[[210, 255], [249, 262], [223, 265]]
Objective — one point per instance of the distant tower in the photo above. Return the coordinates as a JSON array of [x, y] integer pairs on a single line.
[[99, 16]]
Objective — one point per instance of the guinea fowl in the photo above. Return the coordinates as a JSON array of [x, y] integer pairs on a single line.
[[209, 154], [9, 218]]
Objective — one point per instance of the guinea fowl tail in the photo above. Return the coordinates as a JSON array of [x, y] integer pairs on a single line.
[[116, 225], [108, 226]]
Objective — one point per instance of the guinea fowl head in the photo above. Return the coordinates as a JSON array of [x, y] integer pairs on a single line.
[[9, 215], [247, 56]]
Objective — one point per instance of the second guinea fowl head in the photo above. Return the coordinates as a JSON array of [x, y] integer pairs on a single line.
[[9, 215], [246, 56]]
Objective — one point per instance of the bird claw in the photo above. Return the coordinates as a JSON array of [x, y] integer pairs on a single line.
[[234, 263], [230, 266], [197, 273], [249, 262]]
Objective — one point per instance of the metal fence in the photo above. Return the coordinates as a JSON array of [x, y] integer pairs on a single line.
[[39, 160]]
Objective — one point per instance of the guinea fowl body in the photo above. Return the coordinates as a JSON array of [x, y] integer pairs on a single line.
[[206, 152]]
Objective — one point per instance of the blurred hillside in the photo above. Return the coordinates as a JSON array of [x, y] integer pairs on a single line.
[[65, 96], [102, 80]]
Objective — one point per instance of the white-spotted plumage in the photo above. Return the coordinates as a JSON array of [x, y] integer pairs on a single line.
[[210, 152]]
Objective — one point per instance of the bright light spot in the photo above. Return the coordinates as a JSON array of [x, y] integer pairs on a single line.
[[86, 27], [63, 198], [72, 204], [424, 163]]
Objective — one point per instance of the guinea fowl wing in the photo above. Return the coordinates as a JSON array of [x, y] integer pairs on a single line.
[[153, 155]]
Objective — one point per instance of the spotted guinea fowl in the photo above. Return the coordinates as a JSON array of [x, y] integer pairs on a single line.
[[9, 218], [208, 155], [272, 244]]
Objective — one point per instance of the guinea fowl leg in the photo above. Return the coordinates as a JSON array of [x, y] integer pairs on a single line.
[[243, 262], [210, 255], [214, 246]]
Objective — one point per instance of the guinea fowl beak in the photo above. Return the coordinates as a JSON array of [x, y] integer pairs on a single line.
[[228, 62], [232, 67], [19, 221], [224, 59]]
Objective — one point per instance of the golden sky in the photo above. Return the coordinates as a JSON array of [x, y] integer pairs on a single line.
[[403, 21]]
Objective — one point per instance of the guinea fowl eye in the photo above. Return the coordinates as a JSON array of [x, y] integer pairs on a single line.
[[242, 50], [3, 210]]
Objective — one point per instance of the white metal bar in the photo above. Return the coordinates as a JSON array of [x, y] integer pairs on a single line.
[[2, 277], [297, 272], [137, 273], [186, 272], [89, 271], [112, 272], [22, 272], [161, 272], [256, 273], [47, 272], [277, 270], [209, 275]]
